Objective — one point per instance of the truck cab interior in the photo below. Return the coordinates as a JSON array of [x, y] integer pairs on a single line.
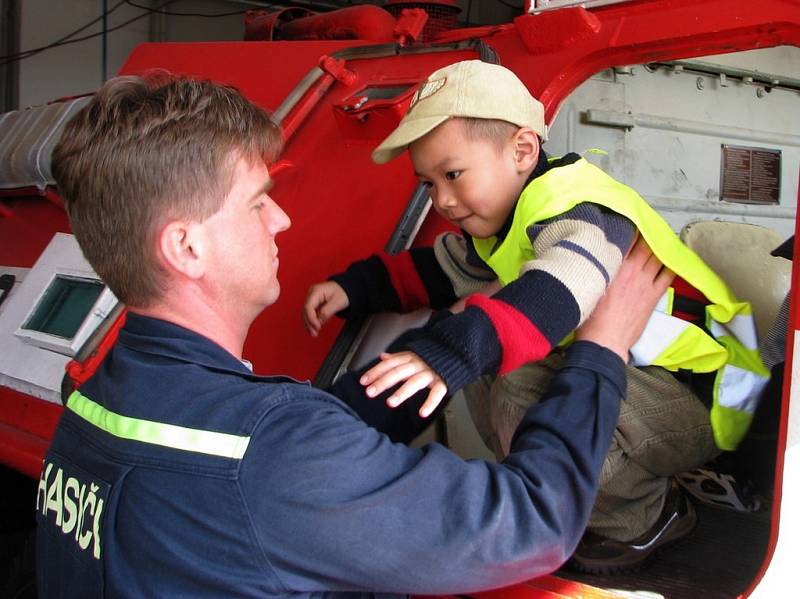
[[693, 104]]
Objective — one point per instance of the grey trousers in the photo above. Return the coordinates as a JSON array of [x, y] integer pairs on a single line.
[[663, 429]]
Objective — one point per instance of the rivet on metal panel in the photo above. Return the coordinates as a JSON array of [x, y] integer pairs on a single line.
[[700, 83], [356, 105]]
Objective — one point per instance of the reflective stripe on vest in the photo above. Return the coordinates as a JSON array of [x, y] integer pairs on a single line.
[[157, 433], [667, 341]]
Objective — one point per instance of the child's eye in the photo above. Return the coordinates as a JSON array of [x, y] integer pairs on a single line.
[[426, 184], [452, 175]]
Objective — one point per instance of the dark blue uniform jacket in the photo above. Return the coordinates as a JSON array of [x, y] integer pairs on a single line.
[[176, 472]]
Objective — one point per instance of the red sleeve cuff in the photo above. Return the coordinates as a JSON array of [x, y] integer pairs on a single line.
[[520, 340], [406, 281]]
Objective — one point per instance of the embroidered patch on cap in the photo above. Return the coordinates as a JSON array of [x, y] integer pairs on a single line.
[[427, 90]]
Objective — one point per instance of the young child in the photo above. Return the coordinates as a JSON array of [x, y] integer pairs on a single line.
[[541, 239]]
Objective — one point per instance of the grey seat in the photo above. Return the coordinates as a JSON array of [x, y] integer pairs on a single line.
[[740, 254]]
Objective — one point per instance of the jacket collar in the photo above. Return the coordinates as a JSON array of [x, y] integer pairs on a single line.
[[161, 338]]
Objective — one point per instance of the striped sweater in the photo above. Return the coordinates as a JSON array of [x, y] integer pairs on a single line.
[[577, 254]]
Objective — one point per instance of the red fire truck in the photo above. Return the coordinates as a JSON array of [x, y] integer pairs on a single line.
[[336, 98]]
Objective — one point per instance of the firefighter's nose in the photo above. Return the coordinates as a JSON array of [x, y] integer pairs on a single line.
[[279, 220]]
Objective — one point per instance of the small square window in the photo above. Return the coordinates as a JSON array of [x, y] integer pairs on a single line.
[[68, 310], [64, 306]]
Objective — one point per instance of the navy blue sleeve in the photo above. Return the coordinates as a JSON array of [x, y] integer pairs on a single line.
[[335, 505], [368, 287], [403, 423], [395, 283]]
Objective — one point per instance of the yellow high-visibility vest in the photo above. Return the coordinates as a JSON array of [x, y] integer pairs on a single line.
[[667, 341]]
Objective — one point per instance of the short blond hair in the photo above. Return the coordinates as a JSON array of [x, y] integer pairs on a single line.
[[146, 150]]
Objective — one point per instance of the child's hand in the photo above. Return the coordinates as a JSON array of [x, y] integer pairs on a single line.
[[323, 301], [409, 367]]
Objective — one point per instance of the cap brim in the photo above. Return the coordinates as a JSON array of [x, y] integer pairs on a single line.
[[406, 133]]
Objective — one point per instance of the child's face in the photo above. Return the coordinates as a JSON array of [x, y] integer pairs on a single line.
[[474, 183]]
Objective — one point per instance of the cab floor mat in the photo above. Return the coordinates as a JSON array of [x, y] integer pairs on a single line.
[[718, 560]]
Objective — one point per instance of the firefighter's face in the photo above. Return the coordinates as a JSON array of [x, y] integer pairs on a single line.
[[244, 254], [474, 182]]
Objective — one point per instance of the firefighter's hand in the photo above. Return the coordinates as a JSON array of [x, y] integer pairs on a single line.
[[323, 301], [409, 367], [622, 313]]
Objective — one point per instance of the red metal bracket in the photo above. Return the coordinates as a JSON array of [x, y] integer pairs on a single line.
[[80, 372], [335, 67], [409, 25]]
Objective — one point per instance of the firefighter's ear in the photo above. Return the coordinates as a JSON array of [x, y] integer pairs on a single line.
[[525, 147], [182, 248]]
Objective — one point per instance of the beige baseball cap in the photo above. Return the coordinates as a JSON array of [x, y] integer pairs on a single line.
[[471, 88]]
